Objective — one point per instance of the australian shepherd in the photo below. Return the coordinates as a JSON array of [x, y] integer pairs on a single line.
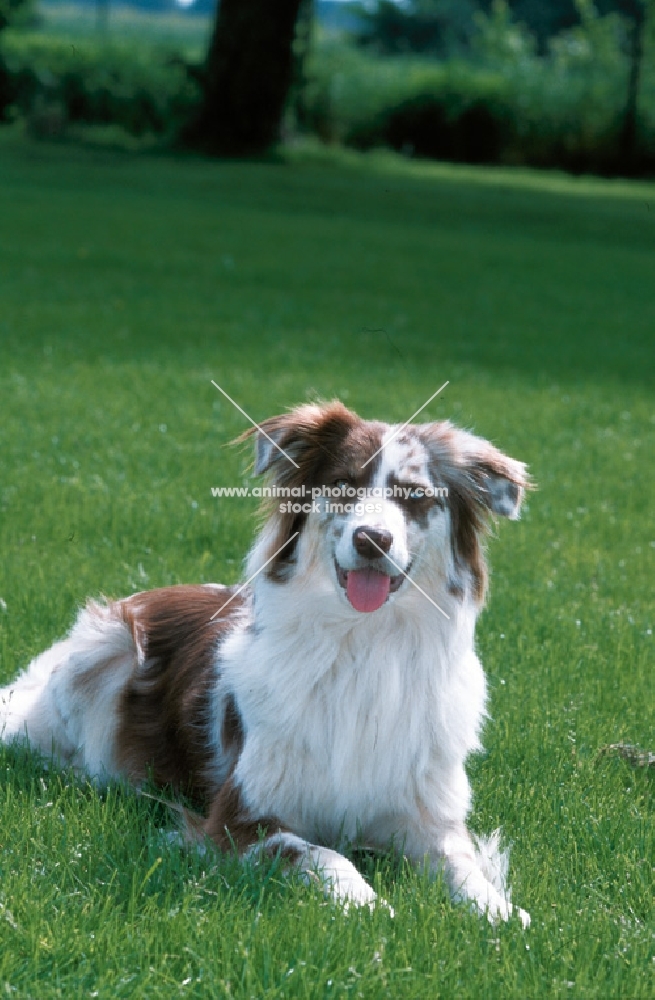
[[335, 698]]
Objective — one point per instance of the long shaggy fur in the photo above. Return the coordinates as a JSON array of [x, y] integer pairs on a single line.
[[337, 697]]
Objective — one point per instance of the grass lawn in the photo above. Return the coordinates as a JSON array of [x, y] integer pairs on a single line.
[[126, 285]]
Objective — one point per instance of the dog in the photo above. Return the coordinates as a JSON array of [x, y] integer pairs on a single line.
[[335, 697]]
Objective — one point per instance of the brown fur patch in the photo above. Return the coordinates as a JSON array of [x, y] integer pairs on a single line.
[[165, 710], [417, 508], [291, 854], [231, 825], [465, 464], [231, 730], [329, 443], [468, 525]]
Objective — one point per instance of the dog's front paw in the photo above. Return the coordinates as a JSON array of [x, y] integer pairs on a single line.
[[344, 884], [341, 880], [500, 909], [369, 898]]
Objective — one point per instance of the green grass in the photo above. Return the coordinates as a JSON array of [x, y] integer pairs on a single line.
[[126, 285]]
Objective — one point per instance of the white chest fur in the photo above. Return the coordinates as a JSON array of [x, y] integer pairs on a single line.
[[351, 720]]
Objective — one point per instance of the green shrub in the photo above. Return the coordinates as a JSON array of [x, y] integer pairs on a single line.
[[506, 104], [15, 12], [432, 126], [438, 27], [567, 106], [141, 88], [429, 107], [11, 12]]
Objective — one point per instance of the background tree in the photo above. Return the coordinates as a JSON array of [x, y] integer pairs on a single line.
[[302, 47], [636, 12], [432, 27], [10, 12], [248, 73], [545, 19], [446, 27]]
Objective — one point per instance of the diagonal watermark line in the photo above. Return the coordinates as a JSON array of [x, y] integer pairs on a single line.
[[255, 424], [408, 578], [403, 426], [244, 585]]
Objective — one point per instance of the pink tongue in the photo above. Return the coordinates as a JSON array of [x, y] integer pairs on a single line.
[[367, 589]]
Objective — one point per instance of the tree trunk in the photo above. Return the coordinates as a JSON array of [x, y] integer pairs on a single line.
[[247, 76], [629, 138], [301, 50]]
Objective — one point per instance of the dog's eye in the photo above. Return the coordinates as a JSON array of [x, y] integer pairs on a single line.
[[417, 493], [342, 483]]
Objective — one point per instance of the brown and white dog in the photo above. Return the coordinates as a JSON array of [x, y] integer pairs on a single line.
[[336, 698]]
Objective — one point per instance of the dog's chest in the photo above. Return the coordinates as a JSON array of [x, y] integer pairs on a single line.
[[332, 749]]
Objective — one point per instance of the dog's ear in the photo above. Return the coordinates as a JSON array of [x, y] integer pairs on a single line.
[[502, 480], [292, 444], [268, 448], [293, 449], [490, 477]]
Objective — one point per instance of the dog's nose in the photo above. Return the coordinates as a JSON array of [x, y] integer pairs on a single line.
[[372, 543]]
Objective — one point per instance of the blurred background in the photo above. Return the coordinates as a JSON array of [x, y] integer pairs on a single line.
[[546, 83]]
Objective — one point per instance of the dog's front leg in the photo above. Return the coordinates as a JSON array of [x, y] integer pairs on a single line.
[[475, 874], [336, 875], [467, 871], [231, 824]]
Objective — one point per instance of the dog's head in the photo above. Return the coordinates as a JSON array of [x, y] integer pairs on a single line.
[[378, 504]]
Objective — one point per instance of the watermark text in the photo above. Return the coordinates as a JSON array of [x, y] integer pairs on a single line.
[[396, 492]]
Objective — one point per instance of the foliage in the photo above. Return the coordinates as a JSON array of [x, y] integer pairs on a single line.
[[570, 104], [14, 12], [11, 12], [505, 104], [141, 88], [544, 20], [437, 27], [449, 110], [447, 27]]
